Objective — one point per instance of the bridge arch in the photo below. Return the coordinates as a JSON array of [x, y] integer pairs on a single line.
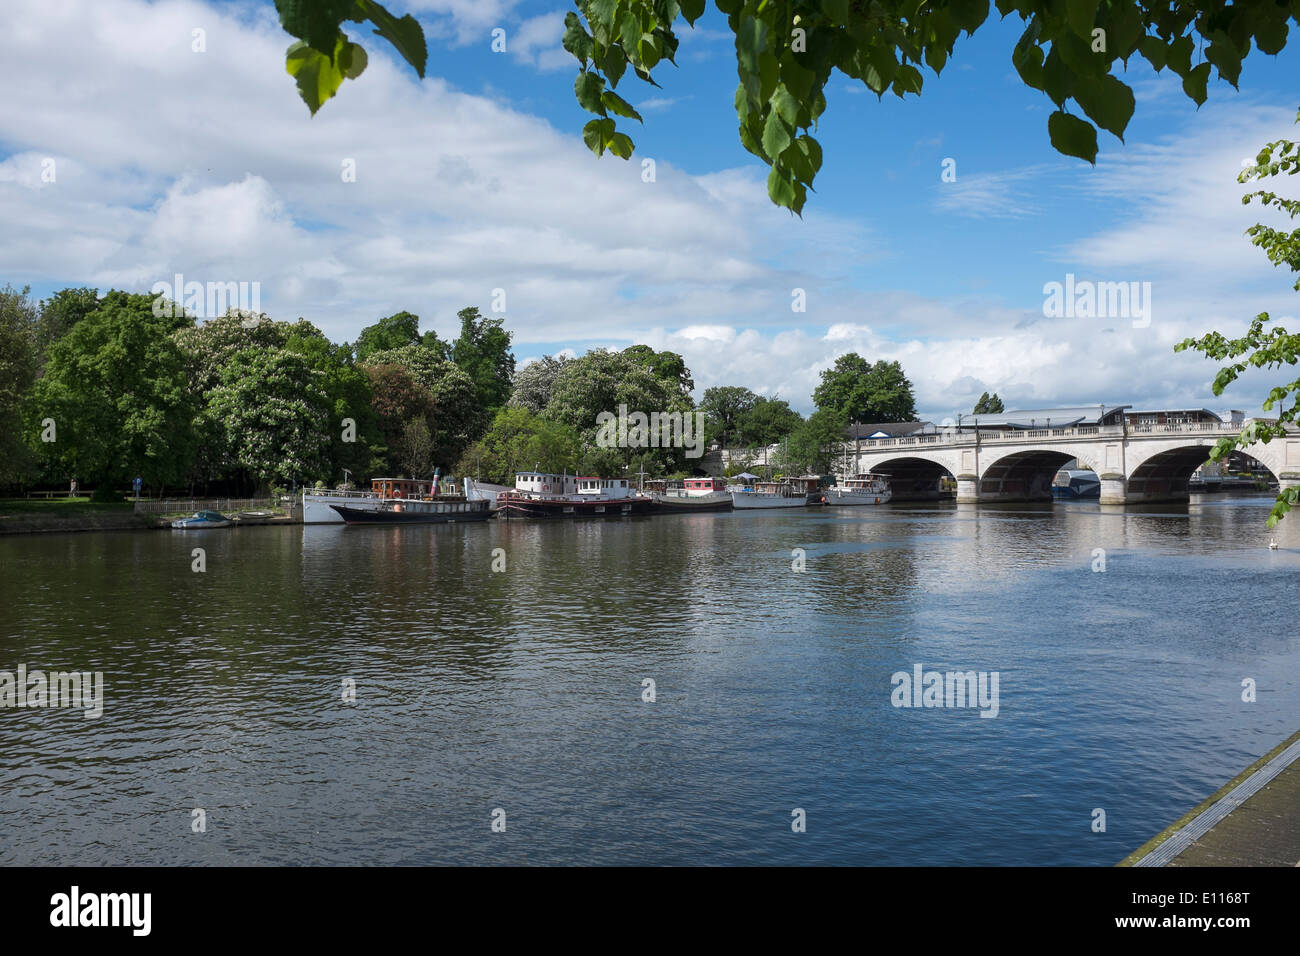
[[915, 477], [1024, 475]]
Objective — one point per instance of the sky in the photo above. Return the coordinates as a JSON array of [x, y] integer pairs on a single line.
[[165, 159]]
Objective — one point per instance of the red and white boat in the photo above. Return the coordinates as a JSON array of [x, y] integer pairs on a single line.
[[540, 494]]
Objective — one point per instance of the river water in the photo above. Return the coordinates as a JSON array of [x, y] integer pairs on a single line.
[[517, 695]]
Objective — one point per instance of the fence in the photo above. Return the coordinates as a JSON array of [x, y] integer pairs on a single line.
[[146, 506]]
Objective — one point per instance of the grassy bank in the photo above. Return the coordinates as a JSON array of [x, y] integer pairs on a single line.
[[32, 515]]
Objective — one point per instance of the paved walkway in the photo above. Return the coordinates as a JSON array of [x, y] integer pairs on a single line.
[[1253, 820]]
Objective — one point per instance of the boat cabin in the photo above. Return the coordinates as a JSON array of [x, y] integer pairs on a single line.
[[696, 487], [604, 487], [401, 487], [544, 483], [864, 481]]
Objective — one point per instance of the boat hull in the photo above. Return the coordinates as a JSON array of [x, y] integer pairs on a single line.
[[510, 506], [674, 504], [755, 500], [832, 500], [186, 524], [447, 514]]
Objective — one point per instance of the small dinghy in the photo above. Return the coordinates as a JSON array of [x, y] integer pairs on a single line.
[[202, 519]]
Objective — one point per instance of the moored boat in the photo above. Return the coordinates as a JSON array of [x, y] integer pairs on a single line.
[[1076, 483], [787, 493], [202, 519], [861, 489], [416, 511], [543, 495], [693, 496], [318, 505]]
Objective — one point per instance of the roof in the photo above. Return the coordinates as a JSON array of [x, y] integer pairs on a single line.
[[1065, 417], [1172, 411], [890, 429]]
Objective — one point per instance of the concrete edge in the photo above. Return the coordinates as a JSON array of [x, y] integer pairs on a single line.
[[1205, 804]]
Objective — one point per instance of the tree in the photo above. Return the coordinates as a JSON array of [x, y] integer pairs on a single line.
[[814, 442], [725, 406], [274, 415], [18, 364], [60, 312], [534, 382], [768, 421], [611, 382], [519, 440], [989, 406], [669, 366], [483, 353], [356, 440], [393, 332], [397, 398], [118, 391], [415, 449], [1270, 348], [457, 418], [861, 392]]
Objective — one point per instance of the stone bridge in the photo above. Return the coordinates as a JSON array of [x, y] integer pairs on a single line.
[[1136, 463]]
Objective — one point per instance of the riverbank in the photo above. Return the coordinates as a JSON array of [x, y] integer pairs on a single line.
[[70, 515], [1249, 821]]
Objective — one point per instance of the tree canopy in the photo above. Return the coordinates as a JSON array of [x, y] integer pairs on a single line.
[[858, 391], [989, 405]]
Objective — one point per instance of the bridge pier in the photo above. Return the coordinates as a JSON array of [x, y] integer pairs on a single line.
[[968, 488], [1118, 490]]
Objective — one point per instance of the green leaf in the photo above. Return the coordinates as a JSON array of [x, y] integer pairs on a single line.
[[588, 87], [751, 40], [597, 134], [776, 135], [576, 39], [1179, 55], [1154, 50], [692, 10], [780, 188], [1226, 59], [317, 75], [836, 10], [1107, 101], [405, 34], [1028, 61], [317, 24], [907, 80], [352, 60], [1194, 83], [1057, 78], [786, 105], [620, 144], [798, 80], [1082, 16], [619, 106], [969, 14], [1072, 136]]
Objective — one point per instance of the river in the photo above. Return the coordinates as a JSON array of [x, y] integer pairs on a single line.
[[521, 690]]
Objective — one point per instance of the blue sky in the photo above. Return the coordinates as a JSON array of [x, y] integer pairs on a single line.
[[475, 179]]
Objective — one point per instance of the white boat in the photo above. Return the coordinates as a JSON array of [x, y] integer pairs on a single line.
[[863, 489], [788, 493], [318, 506], [484, 491]]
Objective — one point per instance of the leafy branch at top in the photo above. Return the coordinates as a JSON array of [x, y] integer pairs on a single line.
[[324, 56], [787, 51]]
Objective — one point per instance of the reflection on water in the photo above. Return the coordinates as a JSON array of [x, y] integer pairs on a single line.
[[522, 689]]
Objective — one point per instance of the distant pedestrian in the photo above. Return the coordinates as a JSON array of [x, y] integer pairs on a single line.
[[72, 488]]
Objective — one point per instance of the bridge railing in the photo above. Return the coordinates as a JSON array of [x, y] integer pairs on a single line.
[[950, 437]]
